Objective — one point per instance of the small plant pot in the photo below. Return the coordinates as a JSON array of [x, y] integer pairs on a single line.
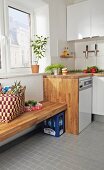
[[55, 71], [35, 68], [59, 70]]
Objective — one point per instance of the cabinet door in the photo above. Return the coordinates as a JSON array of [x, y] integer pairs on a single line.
[[97, 17], [98, 96], [78, 21], [85, 103]]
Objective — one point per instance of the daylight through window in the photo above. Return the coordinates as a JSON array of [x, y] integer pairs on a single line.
[[19, 33]]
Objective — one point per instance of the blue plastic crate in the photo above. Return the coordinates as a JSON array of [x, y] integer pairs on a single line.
[[55, 125]]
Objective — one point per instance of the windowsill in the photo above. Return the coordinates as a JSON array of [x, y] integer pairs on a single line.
[[20, 75]]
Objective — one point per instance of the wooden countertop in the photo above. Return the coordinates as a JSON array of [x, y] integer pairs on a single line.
[[76, 75], [99, 74], [70, 76]]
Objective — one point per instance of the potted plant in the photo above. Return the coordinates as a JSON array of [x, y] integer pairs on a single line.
[[54, 68], [39, 48]]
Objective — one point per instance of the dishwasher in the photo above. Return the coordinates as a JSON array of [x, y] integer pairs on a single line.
[[85, 102]]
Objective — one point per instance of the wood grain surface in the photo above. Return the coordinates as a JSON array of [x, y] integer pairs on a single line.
[[64, 91], [70, 75], [28, 119]]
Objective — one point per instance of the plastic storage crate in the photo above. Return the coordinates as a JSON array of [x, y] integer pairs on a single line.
[[55, 125]]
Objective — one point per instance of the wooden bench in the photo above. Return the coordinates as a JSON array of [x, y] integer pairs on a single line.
[[28, 119]]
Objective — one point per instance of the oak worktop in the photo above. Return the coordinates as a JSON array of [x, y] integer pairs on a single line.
[[75, 75], [70, 75], [99, 74]]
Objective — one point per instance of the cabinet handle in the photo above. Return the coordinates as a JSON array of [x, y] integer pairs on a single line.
[[95, 36], [86, 37]]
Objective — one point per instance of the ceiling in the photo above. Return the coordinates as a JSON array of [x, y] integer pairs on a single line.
[[73, 1], [38, 3], [32, 3]]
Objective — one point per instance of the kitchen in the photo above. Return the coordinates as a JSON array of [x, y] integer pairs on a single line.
[[91, 25], [76, 44]]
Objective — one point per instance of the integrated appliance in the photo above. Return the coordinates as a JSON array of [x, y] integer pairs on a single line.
[[85, 102]]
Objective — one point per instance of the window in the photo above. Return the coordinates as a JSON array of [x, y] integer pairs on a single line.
[[17, 27], [0, 56], [0, 47], [15, 38], [2, 40], [19, 33]]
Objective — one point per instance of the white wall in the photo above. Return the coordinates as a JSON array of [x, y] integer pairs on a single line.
[[33, 83], [42, 28], [57, 19], [58, 32], [81, 62]]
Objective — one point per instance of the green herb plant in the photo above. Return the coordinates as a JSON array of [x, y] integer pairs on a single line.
[[30, 103], [50, 68]]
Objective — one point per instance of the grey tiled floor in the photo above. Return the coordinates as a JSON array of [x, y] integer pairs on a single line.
[[69, 152]]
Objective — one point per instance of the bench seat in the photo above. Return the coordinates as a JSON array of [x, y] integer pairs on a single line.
[[28, 119]]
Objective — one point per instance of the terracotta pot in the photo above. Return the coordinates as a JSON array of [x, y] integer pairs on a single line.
[[35, 68]]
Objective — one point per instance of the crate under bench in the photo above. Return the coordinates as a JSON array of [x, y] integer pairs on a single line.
[[28, 119]]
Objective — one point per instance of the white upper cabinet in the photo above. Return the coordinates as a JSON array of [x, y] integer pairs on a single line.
[[85, 19], [78, 21], [97, 17]]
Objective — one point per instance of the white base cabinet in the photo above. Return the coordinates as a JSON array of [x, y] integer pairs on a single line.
[[98, 95], [85, 102]]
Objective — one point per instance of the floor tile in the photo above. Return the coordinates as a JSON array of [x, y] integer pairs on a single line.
[[68, 152]]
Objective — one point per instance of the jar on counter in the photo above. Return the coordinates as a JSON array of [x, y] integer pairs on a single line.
[[64, 71]]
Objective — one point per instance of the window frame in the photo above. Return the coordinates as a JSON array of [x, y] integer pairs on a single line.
[[9, 3], [2, 39]]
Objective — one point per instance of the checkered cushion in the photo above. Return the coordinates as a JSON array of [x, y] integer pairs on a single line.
[[11, 106]]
